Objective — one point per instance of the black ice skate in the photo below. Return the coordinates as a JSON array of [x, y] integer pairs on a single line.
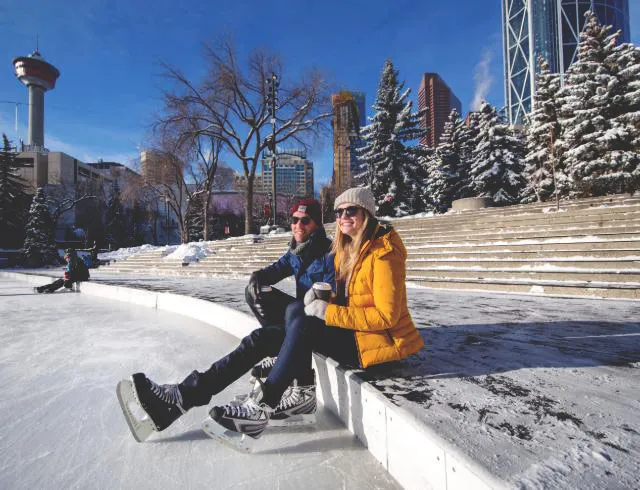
[[239, 422], [297, 407], [161, 405], [262, 369]]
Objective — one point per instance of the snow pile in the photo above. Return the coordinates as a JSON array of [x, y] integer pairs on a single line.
[[189, 252], [124, 253]]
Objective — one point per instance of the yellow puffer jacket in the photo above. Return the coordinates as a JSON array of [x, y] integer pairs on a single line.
[[377, 297]]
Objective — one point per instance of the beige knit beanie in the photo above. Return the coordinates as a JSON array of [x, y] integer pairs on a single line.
[[360, 196]]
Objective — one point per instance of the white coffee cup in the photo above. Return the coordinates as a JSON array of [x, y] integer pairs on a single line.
[[322, 290]]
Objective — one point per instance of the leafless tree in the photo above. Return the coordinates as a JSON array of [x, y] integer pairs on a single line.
[[230, 105], [62, 198]]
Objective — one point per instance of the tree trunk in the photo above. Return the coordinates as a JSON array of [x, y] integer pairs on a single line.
[[248, 209]]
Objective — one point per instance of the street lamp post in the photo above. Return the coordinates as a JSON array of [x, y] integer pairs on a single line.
[[166, 208], [272, 100]]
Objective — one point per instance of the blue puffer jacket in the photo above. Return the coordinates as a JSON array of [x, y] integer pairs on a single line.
[[315, 264]]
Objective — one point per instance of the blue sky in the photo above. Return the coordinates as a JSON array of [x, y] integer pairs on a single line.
[[109, 54]]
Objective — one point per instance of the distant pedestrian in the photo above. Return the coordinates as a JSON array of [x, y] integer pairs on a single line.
[[75, 271]]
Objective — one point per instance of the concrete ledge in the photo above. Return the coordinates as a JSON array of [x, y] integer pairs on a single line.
[[415, 455]]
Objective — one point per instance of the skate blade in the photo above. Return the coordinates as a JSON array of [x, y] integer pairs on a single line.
[[294, 421], [238, 441], [142, 426]]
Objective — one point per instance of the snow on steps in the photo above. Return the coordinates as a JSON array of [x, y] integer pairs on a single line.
[[591, 248]]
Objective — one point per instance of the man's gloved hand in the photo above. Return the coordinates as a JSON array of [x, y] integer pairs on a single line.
[[317, 308], [254, 287]]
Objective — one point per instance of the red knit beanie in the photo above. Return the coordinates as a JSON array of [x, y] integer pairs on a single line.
[[309, 206]]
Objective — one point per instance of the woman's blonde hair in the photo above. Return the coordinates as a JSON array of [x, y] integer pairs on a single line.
[[347, 249]]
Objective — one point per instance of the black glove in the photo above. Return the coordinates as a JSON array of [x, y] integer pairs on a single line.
[[254, 288]]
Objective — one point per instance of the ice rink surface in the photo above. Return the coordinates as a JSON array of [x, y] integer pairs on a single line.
[[61, 356]]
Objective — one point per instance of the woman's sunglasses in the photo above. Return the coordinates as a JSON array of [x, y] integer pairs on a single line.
[[348, 211], [305, 220]]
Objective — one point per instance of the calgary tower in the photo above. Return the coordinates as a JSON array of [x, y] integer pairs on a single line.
[[39, 76]]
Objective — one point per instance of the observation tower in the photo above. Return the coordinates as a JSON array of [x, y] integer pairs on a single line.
[[39, 76]]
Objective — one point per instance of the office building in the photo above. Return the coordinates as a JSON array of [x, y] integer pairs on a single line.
[[550, 28], [348, 117], [437, 98], [294, 174]]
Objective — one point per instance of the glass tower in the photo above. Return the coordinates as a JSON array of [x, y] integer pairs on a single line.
[[550, 28]]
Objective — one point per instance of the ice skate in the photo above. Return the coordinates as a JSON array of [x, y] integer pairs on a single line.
[[147, 406], [262, 370], [297, 407], [240, 422]]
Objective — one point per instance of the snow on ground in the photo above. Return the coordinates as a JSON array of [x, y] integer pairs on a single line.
[[62, 427], [541, 391]]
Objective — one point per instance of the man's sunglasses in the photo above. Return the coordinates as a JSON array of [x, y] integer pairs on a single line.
[[305, 220], [348, 211]]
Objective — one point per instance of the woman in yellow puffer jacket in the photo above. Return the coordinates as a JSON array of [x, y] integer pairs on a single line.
[[371, 297]]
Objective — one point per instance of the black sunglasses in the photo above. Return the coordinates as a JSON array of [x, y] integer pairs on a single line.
[[305, 220], [348, 211]]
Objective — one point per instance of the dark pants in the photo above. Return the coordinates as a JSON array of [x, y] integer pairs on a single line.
[[55, 285], [293, 343]]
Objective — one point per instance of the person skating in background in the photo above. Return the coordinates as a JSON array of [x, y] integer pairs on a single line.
[[76, 271], [308, 260]]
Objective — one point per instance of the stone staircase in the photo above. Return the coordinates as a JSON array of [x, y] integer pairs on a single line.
[[590, 247]]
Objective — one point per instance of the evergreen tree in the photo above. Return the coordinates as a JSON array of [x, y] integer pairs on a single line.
[[393, 171], [116, 223], [13, 197], [541, 131], [195, 220], [39, 244], [467, 135], [496, 170], [595, 146], [444, 179], [624, 64]]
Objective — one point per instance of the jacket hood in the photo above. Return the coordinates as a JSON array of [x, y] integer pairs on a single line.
[[387, 238]]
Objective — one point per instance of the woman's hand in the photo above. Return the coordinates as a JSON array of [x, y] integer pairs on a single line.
[[317, 308]]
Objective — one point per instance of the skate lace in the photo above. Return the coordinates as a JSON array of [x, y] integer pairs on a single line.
[[267, 363], [246, 409], [290, 398], [168, 394]]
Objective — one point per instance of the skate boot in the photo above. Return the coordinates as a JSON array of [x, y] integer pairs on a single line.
[[262, 369], [297, 407], [239, 422], [161, 405]]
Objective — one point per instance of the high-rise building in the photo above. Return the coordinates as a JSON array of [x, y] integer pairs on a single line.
[[348, 117], [550, 28], [159, 168], [435, 96], [294, 174]]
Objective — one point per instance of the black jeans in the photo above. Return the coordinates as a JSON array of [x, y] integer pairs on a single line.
[[293, 343], [55, 285]]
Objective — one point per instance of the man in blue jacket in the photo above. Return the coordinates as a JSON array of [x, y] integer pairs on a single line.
[[76, 271], [307, 259]]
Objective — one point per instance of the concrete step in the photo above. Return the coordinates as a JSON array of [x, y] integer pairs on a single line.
[[578, 289], [506, 254], [554, 274], [529, 245], [602, 265]]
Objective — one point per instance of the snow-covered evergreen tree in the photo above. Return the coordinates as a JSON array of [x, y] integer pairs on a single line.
[[392, 167], [444, 179], [116, 223], [13, 197], [595, 146], [467, 135], [624, 64], [498, 155], [542, 129], [39, 244]]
